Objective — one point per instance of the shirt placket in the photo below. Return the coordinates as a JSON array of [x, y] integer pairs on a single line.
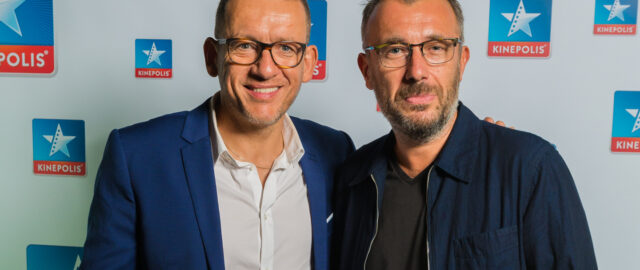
[[266, 221]]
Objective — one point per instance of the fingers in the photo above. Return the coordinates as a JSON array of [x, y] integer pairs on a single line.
[[489, 119], [499, 123]]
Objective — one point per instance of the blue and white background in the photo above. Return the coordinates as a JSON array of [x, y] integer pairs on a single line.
[[566, 98]]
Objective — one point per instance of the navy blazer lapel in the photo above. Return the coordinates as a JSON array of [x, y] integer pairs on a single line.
[[315, 178], [198, 165]]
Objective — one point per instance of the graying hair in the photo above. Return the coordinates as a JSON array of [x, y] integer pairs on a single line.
[[372, 4]]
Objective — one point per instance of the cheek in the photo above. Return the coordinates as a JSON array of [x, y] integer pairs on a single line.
[[294, 77], [235, 75], [390, 82]]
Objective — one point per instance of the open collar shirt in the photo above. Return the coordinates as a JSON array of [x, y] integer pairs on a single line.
[[263, 228]]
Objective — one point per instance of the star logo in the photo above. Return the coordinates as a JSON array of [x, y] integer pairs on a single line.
[[635, 114], [154, 55], [616, 10], [8, 14], [59, 142], [521, 20]]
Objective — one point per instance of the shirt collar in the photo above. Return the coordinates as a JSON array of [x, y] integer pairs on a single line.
[[457, 158], [293, 148]]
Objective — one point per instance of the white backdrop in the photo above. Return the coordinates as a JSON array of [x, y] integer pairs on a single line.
[[566, 98]]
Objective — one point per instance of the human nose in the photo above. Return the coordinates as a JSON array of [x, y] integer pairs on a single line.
[[265, 67], [417, 67]]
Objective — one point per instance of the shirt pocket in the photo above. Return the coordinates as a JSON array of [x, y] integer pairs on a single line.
[[495, 250]]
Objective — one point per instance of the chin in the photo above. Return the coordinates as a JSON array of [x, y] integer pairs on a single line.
[[265, 119]]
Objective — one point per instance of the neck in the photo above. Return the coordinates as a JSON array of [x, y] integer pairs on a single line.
[[413, 157], [260, 145]]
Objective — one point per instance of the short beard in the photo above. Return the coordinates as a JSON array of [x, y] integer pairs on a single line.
[[421, 131]]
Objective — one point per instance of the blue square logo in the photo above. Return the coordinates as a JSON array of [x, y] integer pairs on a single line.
[[615, 17], [520, 28], [26, 37], [319, 36], [154, 58], [58, 147], [41, 257], [626, 122]]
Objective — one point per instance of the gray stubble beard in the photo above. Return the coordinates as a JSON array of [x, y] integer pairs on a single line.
[[420, 131]]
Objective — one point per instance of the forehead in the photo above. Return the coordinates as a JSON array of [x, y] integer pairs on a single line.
[[413, 22], [267, 20]]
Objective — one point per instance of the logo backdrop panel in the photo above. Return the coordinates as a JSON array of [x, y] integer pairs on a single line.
[[319, 36], [626, 122], [154, 58], [615, 17], [26, 37], [42, 257], [58, 147], [520, 28]]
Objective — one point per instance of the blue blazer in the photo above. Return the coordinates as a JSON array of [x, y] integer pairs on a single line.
[[155, 203]]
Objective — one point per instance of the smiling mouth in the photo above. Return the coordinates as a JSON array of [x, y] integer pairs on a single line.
[[264, 90]]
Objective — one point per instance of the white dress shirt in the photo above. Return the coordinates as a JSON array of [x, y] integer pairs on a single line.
[[263, 228]]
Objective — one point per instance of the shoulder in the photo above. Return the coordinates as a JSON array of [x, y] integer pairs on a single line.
[[159, 126], [362, 158], [515, 143], [323, 138], [308, 126], [367, 151], [157, 136]]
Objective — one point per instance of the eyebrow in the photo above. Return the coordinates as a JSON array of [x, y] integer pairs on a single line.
[[402, 40]]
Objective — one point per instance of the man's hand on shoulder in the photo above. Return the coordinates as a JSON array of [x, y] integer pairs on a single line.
[[499, 123]]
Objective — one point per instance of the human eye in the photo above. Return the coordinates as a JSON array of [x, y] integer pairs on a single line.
[[395, 51], [436, 47], [243, 46], [287, 48]]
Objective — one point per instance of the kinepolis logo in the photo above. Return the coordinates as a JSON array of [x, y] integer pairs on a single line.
[[26, 36], [519, 28], [626, 122], [153, 58], [319, 36], [58, 147], [615, 17], [41, 257]]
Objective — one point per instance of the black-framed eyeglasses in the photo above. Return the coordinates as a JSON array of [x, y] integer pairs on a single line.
[[398, 54], [244, 51]]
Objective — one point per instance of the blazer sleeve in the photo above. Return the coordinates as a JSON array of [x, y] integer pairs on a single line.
[[111, 231], [555, 231]]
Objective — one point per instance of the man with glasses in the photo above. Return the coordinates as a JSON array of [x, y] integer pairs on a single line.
[[444, 190], [235, 183]]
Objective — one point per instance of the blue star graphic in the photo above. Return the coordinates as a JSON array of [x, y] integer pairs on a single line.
[[59, 142], [8, 14], [154, 54], [616, 10], [521, 20]]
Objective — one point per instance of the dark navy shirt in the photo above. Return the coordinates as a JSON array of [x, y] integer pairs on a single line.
[[497, 199]]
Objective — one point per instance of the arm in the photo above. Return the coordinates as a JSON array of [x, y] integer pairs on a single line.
[[555, 230], [111, 234]]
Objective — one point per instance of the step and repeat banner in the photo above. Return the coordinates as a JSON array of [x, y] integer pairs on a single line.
[[71, 71]]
